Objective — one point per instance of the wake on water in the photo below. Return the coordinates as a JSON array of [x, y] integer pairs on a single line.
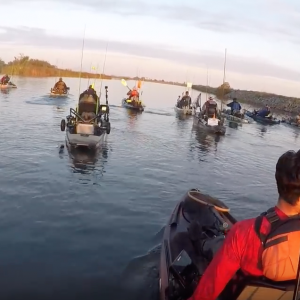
[[140, 279]]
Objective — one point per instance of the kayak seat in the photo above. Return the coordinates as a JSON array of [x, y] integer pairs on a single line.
[[87, 107], [257, 288], [274, 292]]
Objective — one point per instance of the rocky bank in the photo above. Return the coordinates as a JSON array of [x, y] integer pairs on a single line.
[[283, 104]]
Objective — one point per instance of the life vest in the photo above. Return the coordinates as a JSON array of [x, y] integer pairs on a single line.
[[134, 93], [280, 247]]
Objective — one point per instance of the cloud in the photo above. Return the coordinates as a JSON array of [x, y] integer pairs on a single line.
[[255, 17], [39, 38]]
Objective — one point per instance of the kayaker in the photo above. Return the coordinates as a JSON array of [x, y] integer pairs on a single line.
[[91, 92], [243, 248], [235, 106], [60, 86], [133, 93], [186, 99], [265, 112], [5, 79], [210, 109]]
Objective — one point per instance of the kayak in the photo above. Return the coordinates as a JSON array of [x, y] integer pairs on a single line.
[[184, 255], [126, 104], [268, 121], [58, 94], [226, 113], [211, 125], [87, 126], [9, 85], [183, 111]]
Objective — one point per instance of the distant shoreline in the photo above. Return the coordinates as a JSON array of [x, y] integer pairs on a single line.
[[24, 66], [282, 104]]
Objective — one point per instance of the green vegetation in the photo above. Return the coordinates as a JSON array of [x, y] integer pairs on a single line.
[[28, 67], [2, 64], [25, 66]]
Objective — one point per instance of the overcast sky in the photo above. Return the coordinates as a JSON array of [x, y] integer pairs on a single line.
[[172, 40]]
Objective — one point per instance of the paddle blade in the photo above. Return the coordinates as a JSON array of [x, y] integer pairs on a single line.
[[189, 85], [123, 81], [139, 84]]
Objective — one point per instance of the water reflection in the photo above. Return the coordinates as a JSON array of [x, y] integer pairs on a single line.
[[86, 161], [133, 116], [207, 143], [182, 117], [296, 133], [234, 125], [5, 91], [262, 130]]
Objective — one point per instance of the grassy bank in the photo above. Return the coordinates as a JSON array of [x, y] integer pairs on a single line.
[[25, 66], [28, 67]]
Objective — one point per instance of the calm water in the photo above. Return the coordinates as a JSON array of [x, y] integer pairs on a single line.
[[69, 227]]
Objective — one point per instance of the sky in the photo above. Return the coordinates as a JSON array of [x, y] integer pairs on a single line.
[[173, 40]]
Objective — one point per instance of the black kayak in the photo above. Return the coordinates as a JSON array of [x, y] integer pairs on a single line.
[[195, 231], [267, 121]]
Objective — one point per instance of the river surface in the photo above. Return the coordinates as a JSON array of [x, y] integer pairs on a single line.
[[75, 227]]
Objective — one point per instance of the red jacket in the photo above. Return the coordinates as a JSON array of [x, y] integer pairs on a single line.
[[241, 250]]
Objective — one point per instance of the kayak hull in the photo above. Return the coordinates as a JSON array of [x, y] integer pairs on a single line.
[[54, 94], [190, 224], [226, 114], [183, 111], [128, 106], [261, 120], [92, 142], [8, 86], [201, 125]]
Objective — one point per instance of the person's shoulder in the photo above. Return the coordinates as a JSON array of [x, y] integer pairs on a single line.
[[244, 225]]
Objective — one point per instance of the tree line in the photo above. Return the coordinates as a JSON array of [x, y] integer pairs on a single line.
[[26, 66], [222, 92]]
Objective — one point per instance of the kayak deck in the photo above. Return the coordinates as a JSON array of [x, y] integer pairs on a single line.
[[132, 107], [189, 221], [217, 129], [232, 118]]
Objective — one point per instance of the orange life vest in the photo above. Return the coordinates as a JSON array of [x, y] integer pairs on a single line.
[[134, 93], [280, 247]]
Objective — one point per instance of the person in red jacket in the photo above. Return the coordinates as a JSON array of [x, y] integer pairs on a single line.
[[133, 93], [5, 79], [251, 245]]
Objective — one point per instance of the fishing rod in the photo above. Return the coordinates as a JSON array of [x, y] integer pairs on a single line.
[[96, 72], [83, 40], [91, 68], [55, 71], [103, 69], [206, 82], [224, 74]]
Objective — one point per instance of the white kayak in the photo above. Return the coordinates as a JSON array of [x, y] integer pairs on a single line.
[[183, 111], [86, 140], [87, 126]]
